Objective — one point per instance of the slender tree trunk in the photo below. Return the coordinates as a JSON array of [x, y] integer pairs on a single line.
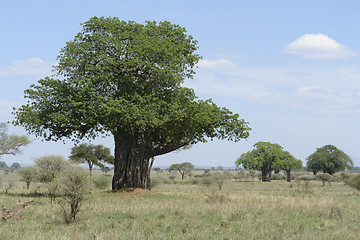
[[288, 176], [131, 167]]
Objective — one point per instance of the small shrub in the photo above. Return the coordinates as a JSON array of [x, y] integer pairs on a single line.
[[306, 180], [242, 176], [207, 181], [72, 190], [324, 177]]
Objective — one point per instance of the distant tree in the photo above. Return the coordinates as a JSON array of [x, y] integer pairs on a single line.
[[356, 169], [15, 165], [329, 159], [288, 162], [221, 177], [265, 157], [91, 154], [105, 169], [3, 165], [28, 175], [183, 168], [10, 144], [49, 167]]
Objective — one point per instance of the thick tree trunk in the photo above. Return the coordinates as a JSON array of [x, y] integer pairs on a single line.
[[131, 167], [134, 157], [266, 174], [288, 176]]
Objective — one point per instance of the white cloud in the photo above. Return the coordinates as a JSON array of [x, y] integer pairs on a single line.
[[29, 67], [314, 91], [318, 46], [218, 64], [318, 90]]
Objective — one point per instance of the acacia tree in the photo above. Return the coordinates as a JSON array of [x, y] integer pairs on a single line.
[[265, 157], [183, 168], [10, 144], [28, 175], [329, 159], [124, 79], [91, 154]]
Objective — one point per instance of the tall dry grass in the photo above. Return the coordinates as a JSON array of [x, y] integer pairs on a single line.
[[242, 210]]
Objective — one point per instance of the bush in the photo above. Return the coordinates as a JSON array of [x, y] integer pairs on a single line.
[[306, 180], [345, 177], [73, 186], [354, 182], [324, 177], [207, 181]]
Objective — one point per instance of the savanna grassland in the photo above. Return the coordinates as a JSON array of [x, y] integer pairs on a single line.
[[189, 209]]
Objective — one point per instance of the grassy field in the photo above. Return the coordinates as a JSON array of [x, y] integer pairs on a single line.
[[178, 209]]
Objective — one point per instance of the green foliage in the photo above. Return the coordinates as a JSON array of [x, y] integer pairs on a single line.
[[15, 165], [72, 189], [183, 168], [345, 176], [28, 175], [266, 157], [49, 167], [125, 78], [221, 177], [354, 182], [91, 154], [105, 169], [329, 159], [3, 165], [10, 144], [324, 177]]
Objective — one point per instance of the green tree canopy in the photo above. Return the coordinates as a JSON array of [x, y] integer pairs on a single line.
[[10, 144], [28, 175], [329, 159], [15, 165], [288, 162], [3, 165], [124, 78], [183, 168], [91, 154], [266, 157]]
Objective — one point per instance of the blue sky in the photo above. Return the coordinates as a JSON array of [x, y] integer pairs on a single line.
[[290, 68]]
